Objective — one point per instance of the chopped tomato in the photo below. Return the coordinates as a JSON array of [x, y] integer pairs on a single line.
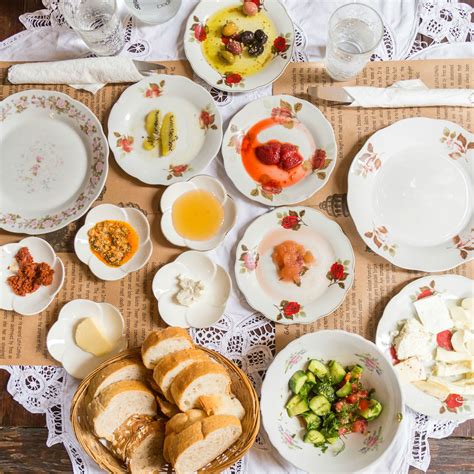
[[363, 404], [352, 398], [363, 393], [338, 406], [359, 426], [443, 339]]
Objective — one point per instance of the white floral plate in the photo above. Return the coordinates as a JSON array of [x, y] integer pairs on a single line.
[[132, 216], [211, 305], [39, 300], [451, 289], [300, 123], [61, 341], [198, 124], [207, 183], [281, 48], [324, 284], [411, 194], [357, 452], [54, 161]]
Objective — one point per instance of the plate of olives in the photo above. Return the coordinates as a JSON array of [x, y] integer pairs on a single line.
[[239, 46]]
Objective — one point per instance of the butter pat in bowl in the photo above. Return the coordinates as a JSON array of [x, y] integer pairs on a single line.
[[85, 334], [197, 213]]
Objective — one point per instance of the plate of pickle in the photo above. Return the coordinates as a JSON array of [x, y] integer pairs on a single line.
[[164, 129], [238, 46], [279, 150], [294, 265]]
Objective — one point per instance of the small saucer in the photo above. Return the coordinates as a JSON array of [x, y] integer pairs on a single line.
[[207, 183], [32, 303], [104, 212], [211, 305], [61, 341]]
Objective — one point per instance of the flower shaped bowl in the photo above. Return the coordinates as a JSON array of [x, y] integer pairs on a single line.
[[202, 182], [38, 301], [355, 452], [132, 216], [209, 308], [61, 341]]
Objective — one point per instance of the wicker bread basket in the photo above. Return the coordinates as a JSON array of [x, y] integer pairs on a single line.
[[241, 387]]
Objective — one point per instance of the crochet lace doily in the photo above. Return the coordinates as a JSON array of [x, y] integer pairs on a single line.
[[249, 342]]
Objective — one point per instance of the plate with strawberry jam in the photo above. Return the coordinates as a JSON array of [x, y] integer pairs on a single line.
[[294, 265], [279, 150]]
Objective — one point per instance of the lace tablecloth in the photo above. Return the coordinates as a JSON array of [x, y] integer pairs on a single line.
[[413, 29]]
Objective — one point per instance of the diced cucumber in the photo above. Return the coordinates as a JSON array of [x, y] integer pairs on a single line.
[[320, 405], [344, 390], [297, 381], [311, 377], [325, 389], [312, 420], [332, 440], [314, 437], [298, 409], [336, 371], [356, 371], [305, 389], [294, 400], [318, 368], [372, 411]]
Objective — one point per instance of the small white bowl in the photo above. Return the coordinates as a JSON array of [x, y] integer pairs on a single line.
[[61, 341], [209, 308], [32, 303], [206, 183], [110, 212]]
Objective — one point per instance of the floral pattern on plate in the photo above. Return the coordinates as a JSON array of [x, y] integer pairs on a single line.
[[372, 441], [248, 258], [380, 237], [154, 89], [290, 310], [338, 272], [57, 106], [456, 142], [291, 220]]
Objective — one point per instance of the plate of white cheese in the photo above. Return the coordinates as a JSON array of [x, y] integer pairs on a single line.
[[427, 332]]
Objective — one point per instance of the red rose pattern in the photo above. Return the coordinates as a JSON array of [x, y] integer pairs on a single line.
[[318, 159], [453, 401], [177, 171], [337, 271], [443, 339], [288, 222], [282, 114], [291, 308], [199, 32], [206, 120], [424, 294], [280, 44], [124, 142], [153, 91], [232, 79]]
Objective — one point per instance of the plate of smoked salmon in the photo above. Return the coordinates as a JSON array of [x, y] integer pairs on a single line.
[[279, 150], [294, 265]]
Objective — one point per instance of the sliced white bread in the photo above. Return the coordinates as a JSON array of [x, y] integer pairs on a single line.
[[202, 442], [116, 403], [127, 369], [200, 378], [172, 364], [145, 449], [126, 431], [177, 424], [161, 343], [167, 408], [222, 404]]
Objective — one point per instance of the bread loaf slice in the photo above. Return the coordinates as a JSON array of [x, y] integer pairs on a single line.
[[222, 404], [161, 343], [116, 403], [126, 431], [172, 364], [145, 449], [202, 442], [200, 378], [167, 408], [127, 369]]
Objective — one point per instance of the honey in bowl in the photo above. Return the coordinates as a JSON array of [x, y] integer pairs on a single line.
[[197, 215]]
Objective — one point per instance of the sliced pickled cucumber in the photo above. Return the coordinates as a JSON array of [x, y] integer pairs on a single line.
[[153, 123], [148, 144], [168, 134]]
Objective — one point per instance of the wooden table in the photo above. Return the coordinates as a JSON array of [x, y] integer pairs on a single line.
[[23, 434]]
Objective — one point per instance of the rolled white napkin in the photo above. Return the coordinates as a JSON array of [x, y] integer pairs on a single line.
[[88, 73], [410, 93]]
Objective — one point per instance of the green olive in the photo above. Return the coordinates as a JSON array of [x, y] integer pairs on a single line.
[[229, 29], [227, 56]]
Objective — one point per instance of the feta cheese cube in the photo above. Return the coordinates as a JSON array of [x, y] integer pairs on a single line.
[[412, 340], [433, 314], [411, 370]]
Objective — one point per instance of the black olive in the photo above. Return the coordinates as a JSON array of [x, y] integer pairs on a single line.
[[246, 38], [255, 49], [260, 36]]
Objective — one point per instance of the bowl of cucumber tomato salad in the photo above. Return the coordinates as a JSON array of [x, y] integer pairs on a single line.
[[331, 402]]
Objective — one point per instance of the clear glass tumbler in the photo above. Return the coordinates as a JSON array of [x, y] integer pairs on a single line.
[[153, 11], [97, 22], [355, 30]]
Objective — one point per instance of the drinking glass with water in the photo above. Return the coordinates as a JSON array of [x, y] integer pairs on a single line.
[[97, 22], [355, 30], [153, 11]]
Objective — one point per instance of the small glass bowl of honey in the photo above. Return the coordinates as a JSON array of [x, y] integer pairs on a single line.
[[197, 213]]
